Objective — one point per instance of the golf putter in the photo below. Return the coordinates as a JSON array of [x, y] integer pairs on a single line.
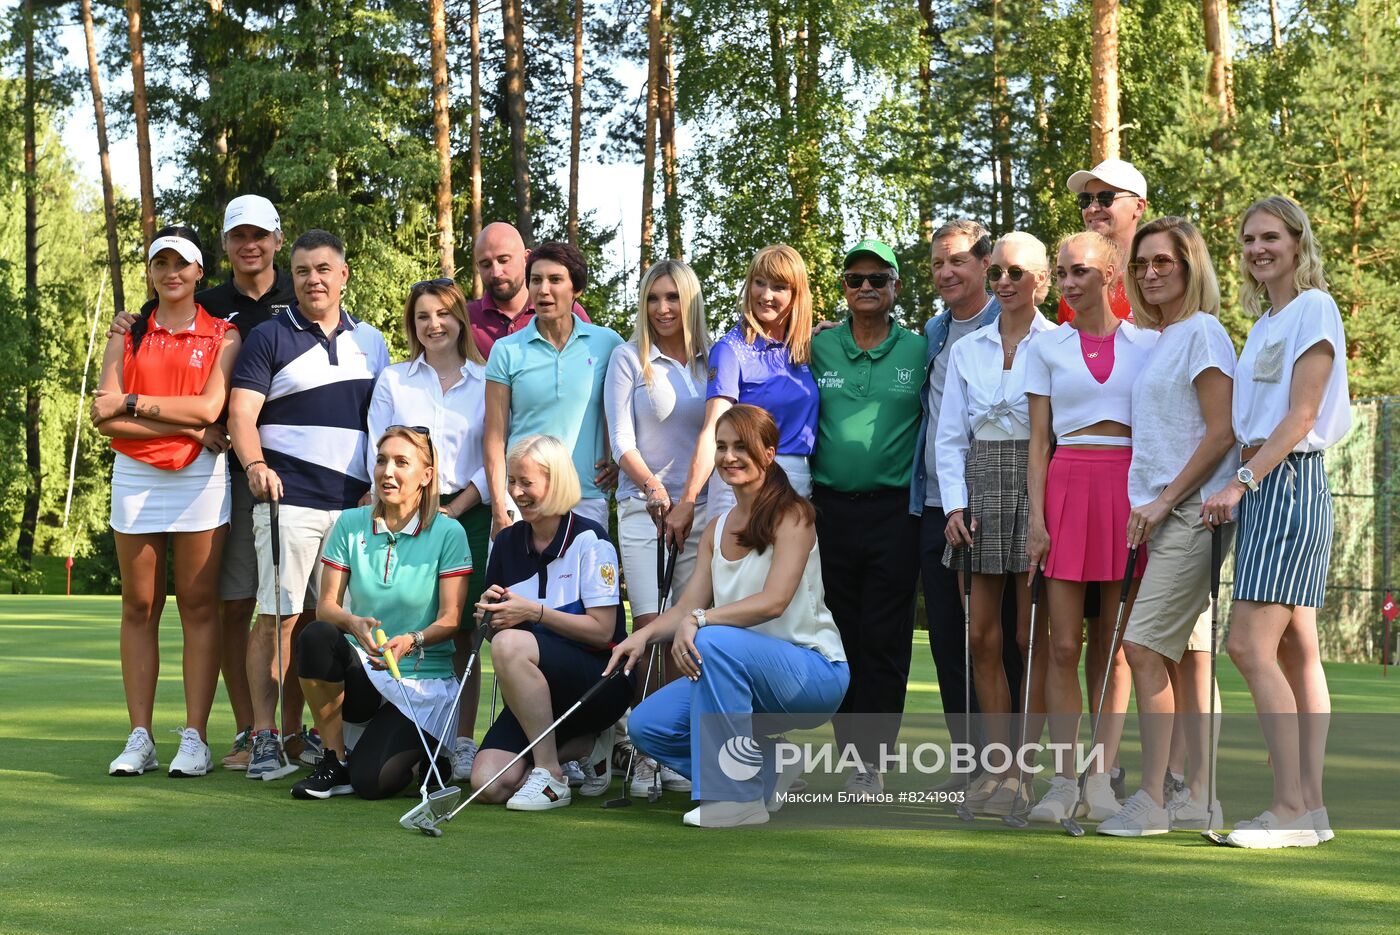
[[274, 525], [961, 810], [1216, 557], [1017, 817], [1072, 826]]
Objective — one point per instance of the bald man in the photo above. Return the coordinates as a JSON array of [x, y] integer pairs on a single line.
[[504, 307]]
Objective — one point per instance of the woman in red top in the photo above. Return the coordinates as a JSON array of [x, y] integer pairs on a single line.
[[161, 401]]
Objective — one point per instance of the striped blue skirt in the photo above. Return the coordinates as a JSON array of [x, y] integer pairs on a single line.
[[1285, 535]]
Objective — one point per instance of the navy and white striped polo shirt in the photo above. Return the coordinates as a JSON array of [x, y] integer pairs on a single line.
[[578, 571], [317, 392]]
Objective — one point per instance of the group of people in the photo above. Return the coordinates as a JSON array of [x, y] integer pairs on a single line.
[[803, 478]]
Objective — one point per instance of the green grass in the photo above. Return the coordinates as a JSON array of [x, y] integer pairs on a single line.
[[82, 852]]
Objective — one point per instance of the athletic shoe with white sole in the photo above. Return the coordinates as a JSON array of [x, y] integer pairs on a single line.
[[597, 769], [1139, 817], [139, 755], [864, 784], [541, 792], [241, 752], [980, 793], [673, 781], [463, 756], [331, 777], [1172, 786], [193, 759], [1006, 799], [311, 746], [644, 776], [1102, 804], [1058, 802], [1268, 833], [1322, 825], [573, 774], [790, 782], [1189, 815], [268, 760], [718, 814], [622, 753]]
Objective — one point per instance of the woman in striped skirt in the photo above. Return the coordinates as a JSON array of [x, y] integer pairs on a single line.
[[983, 434], [1290, 405]]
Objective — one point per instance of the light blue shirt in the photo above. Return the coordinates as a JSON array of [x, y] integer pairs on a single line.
[[558, 392]]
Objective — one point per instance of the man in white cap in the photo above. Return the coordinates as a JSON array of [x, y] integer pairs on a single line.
[[1112, 199]]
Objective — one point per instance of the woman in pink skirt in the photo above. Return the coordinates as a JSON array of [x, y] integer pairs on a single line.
[[1079, 380]]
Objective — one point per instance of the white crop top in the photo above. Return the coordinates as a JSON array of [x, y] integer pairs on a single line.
[[1055, 368]]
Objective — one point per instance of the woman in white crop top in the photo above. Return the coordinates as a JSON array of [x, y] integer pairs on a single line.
[[1079, 380], [1290, 404], [759, 641]]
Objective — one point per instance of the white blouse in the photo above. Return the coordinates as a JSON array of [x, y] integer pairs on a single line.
[[410, 394], [979, 397], [1055, 367]]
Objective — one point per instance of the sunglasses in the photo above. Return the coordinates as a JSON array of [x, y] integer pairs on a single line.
[[876, 280], [421, 430], [1103, 198], [1161, 264], [994, 273], [443, 282]]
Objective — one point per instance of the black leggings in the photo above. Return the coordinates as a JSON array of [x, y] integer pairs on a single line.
[[389, 749]]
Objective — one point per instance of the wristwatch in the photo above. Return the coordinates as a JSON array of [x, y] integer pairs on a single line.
[[699, 615], [1245, 476], [131, 399]]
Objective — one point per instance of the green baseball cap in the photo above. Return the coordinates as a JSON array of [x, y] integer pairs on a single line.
[[876, 248]]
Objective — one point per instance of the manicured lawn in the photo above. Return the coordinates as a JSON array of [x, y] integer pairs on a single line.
[[82, 852]]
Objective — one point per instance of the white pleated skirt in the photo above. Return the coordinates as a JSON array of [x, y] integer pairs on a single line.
[[146, 499]]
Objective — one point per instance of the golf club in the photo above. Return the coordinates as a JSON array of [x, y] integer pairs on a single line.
[[961, 810], [1017, 818], [1216, 557], [1071, 826], [445, 796], [274, 525]]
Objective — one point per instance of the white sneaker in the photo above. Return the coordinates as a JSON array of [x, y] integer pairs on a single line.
[[790, 781], [864, 784], [1322, 825], [1057, 803], [718, 814], [139, 756], [597, 769], [573, 774], [673, 781], [1099, 797], [643, 776], [463, 756], [193, 758], [1267, 832], [1189, 815], [540, 793], [1139, 817]]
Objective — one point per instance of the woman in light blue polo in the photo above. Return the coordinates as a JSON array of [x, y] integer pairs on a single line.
[[752, 634], [404, 570], [547, 379], [763, 361]]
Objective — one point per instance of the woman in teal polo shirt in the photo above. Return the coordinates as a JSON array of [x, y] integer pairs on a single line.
[[404, 573]]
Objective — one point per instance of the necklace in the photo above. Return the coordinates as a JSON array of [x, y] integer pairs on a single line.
[[1099, 342], [174, 328]]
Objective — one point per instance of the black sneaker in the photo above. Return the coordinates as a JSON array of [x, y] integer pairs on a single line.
[[329, 778]]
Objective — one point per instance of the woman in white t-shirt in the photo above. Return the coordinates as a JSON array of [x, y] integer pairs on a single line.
[[1079, 380], [1182, 443], [1290, 404]]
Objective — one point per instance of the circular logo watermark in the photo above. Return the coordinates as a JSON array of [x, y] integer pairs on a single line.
[[740, 758]]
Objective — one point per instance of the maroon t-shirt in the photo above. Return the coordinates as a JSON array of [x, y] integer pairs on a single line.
[[490, 324]]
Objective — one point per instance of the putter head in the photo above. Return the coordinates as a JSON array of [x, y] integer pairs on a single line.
[[1015, 820], [653, 795], [1216, 838], [443, 801], [281, 772], [622, 801], [1072, 827], [964, 813], [421, 818]]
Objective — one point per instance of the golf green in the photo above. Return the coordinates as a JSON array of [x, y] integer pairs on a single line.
[[83, 852]]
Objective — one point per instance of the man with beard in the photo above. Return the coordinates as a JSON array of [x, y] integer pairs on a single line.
[[504, 307]]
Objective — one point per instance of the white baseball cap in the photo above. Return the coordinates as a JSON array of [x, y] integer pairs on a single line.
[[180, 245], [251, 209], [1121, 175]]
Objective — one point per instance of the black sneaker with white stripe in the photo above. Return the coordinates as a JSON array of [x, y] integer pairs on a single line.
[[329, 778]]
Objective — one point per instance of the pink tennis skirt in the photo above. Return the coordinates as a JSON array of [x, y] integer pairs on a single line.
[[1086, 514]]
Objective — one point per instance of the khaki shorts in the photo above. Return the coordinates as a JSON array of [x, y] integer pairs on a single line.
[[1171, 615], [636, 533], [303, 532]]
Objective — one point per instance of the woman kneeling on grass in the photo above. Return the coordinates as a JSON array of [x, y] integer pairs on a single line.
[[405, 569], [759, 640], [556, 608]]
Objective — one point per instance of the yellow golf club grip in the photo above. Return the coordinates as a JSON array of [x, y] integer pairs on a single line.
[[389, 660]]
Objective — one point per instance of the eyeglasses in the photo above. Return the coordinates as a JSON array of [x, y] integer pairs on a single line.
[[1161, 264], [876, 280], [421, 430], [1104, 198], [994, 273], [444, 281]]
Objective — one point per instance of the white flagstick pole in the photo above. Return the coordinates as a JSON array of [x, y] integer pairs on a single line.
[[82, 397]]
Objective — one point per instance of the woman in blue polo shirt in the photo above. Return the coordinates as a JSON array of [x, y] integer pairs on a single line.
[[761, 361], [556, 610], [406, 573]]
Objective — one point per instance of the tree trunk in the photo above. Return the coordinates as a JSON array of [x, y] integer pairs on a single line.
[[221, 181], [926, 117], [1216, 14], [143, 130], [442, 136], [109, 201], [1276, 40], [575, 121], [805, 146], [474, 141], [29, 521], [1001, 126], [672, 209], [1103, 126], [513, 27], [649, 129]]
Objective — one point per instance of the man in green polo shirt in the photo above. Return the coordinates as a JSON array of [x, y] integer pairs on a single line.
[[869, 373]]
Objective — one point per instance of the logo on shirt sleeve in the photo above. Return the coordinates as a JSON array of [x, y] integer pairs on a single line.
[[608, 574], [714, 372]]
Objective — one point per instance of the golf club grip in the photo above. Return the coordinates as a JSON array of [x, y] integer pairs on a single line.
[[1217, 558], [275, 526], [670, 575], [389, 660], [967, 559], [482, 629], [1128, 575], [1037, 582]]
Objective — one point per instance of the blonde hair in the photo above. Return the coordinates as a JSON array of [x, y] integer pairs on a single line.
[[1037, 248], [452, 298], [428, 500], [694, 331], [1307, 275], [1202, 288], [781, 263], [557, 463]]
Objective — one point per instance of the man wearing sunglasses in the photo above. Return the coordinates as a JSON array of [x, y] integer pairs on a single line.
[[1112, 197], [504, 307], [869, 373]]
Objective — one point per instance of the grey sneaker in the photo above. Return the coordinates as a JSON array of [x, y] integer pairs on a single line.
[[573, 774], [268, 760], [1139, 817], [463, 756], [312, 748]]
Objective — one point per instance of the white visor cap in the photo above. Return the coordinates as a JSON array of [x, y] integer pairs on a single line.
[[180, 245]]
